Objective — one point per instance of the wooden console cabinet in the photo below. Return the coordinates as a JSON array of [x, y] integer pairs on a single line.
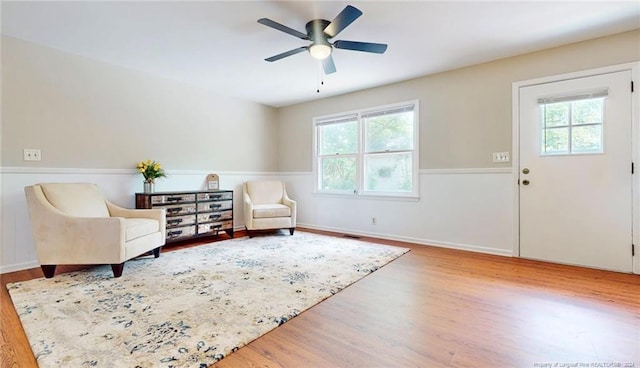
[[192, 214]]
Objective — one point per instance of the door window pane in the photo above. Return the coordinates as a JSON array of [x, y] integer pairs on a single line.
[[556, 114], [586, 139], [587, 111], [556, 141]]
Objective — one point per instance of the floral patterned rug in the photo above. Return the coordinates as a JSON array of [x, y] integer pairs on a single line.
[[191, 307]]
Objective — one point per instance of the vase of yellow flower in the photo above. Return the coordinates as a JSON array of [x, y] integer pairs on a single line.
[[148, 186], [150, 170]]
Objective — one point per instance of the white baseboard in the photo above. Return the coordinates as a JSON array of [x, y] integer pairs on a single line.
[[429, 242], [18, 267]]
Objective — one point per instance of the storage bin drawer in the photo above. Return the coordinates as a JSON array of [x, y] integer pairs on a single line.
[[215, 216], [180, 209], [215, 196], [181, 232], [176, 221], [173, 198], [214, 206], [214, 226]]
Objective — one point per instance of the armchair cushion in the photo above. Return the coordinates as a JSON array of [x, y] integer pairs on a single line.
[[271, 210], [138, 227], [76, 199], [265, 191]]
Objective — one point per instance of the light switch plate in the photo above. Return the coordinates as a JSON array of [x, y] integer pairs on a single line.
[[501, 157]]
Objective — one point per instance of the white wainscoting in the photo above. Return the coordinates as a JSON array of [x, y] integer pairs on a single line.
[[118, 185], [470, 209]]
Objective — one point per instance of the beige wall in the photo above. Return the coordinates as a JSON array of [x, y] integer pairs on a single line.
[[465, 114], [87, 114]]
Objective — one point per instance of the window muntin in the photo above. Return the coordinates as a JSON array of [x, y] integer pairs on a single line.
[[572, 124], [368, 152]]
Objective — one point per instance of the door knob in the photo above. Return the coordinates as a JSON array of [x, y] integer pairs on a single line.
[[525, 182], [525, 171]]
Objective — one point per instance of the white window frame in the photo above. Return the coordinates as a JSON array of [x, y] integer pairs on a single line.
[[360, 177]]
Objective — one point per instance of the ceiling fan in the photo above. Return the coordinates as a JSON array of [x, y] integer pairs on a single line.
[[319, 31]]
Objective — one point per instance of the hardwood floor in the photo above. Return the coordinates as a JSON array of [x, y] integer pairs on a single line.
[[436, 307]]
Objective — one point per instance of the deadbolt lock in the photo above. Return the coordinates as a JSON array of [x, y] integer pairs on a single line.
[[525, 171]]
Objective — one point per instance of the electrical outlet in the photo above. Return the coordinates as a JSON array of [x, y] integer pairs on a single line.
[[501, 157], [31, 154], [374, 221]]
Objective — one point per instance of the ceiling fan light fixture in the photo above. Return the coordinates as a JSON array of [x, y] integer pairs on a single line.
[[319, 31], [320, 51]]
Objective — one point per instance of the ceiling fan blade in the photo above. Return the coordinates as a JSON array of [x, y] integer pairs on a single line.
[[287, 53], [378, 48], [346, 17], [328, 66], [280, 27]]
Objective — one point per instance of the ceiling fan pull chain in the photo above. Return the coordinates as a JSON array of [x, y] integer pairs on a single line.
[[320, 75]]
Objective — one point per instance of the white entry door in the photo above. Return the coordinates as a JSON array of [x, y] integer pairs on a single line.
[[575, 174]]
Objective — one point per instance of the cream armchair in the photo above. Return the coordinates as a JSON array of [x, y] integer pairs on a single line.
[[72, 223], [267, 206]]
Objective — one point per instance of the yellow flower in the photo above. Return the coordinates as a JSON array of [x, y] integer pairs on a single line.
[[150, 170]]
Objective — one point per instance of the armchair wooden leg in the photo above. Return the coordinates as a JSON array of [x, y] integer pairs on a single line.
[[117, 269], [249, 233], [156, 252], [48, 270], [291, 229]]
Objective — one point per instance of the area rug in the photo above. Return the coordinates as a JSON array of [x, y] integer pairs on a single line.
[[190, 307]]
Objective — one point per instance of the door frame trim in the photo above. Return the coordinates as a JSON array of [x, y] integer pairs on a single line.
[[635, 146]]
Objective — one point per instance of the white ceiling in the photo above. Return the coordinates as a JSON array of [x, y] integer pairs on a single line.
[[218, 45]]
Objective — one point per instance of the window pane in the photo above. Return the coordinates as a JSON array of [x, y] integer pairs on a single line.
[[587, 111], [338, 173], [389, 172], [389, 132], [586, 139], [555, 141], [555, 114], [338, 138]]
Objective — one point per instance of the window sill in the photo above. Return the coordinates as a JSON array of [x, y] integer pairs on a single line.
[[395, 198]]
